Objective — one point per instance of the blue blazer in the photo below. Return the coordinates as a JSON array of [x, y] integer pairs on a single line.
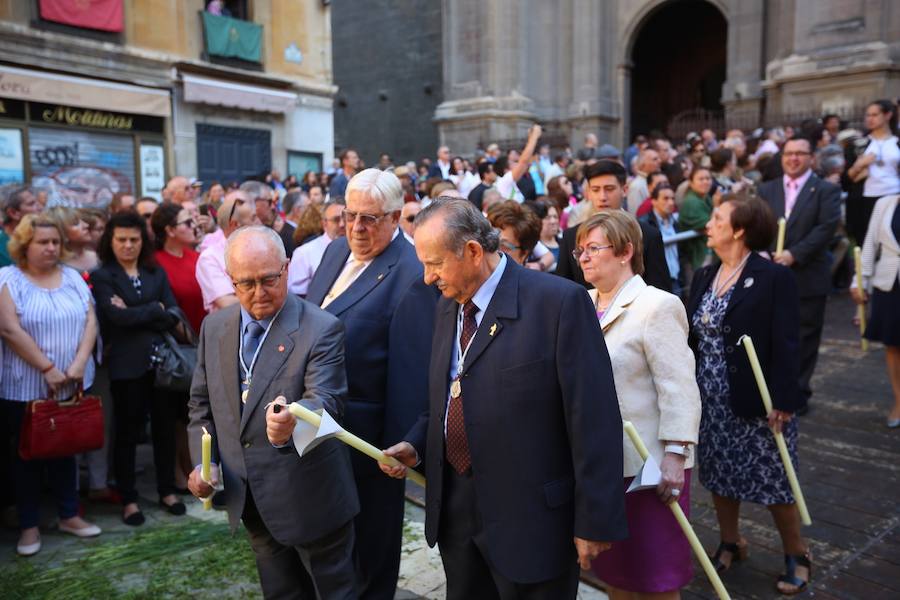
[[766, 306], [388, 314], [542, 420]]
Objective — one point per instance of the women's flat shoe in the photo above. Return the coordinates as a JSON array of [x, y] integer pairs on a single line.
[[29, 549], [176, 508], [134, 519], [84, 532]]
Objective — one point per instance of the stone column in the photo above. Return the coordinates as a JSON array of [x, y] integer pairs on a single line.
[[742, 93]]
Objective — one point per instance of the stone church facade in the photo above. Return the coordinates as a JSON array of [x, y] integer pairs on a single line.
[[621, 67]]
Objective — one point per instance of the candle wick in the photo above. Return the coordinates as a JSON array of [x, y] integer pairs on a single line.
[[205, 432]]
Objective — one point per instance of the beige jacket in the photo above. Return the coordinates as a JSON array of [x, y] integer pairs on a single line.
[[646, 332], [884, 273]]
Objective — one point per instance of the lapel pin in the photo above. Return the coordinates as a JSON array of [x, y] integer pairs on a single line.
[[281, 348], [748, 282], [380, 276], [493, 330]]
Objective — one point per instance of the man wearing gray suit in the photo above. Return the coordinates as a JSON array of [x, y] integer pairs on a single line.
[[298, 511]]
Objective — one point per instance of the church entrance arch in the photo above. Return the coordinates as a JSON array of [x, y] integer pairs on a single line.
[[678, 59]]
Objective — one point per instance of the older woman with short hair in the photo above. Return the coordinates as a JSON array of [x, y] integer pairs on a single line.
[[520, 229], [646, 332], [48, 325], [745, 294]]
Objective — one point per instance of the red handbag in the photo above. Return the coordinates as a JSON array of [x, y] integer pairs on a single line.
[[54, 429]]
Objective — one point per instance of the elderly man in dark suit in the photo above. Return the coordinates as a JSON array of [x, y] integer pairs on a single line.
[[605, 189], [372, 282], [298, 511], [522, 441], [812, 208]]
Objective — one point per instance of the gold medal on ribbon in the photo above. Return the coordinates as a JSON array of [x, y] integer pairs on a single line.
[[455, 388], [244, 395]]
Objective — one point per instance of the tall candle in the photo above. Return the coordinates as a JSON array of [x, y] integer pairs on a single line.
[[779, 437], [206, 462], [301, 412], [782, 225], [683, 522], [860, 309]]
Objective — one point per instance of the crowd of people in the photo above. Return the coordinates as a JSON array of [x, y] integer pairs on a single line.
[[556, 292]]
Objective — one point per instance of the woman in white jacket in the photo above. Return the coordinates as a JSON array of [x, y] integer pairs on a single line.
[[881, 279], [646, 333]]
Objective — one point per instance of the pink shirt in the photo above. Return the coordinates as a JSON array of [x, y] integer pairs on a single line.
[[214, 281], [792, 189]]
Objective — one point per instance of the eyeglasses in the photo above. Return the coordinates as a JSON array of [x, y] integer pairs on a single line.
[[233, 208], [365, 219], [509, 247], [266, 281], [591, 251], [189, 222], [797, 154]]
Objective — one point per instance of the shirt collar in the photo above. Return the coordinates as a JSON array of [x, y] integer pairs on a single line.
[[482, 296], [801, 181], [247, 318]]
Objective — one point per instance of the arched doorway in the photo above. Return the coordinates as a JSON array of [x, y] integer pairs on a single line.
[[678, 58]]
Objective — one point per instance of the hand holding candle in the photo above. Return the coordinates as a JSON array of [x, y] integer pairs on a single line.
[[348, 438], [860, 308], [683, 522], [782, 226], [205, 463], [779, 437]]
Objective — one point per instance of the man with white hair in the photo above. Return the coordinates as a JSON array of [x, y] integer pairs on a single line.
[[372, 281], [441, 167], [273, 347], [638, 191], [263, 198]]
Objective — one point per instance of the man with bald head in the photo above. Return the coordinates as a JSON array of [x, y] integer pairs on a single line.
[[372, 282], [235, 212], [298, 511], [177, 190]]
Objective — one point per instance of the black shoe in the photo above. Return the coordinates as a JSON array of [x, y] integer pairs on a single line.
[[790, 575], [218, 501], [134, 519], [177, 508]]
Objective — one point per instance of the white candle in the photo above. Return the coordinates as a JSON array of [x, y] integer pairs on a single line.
[[206, 462], [300, 411], [782, 225], [861, 308], [683, 522], [779, 437]]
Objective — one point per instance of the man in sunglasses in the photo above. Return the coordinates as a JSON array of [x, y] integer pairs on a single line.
[[372, 281], [408, 219], [297, 510]]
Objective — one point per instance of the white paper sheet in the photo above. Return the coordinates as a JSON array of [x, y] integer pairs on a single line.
[[648, 477], [306, 437]]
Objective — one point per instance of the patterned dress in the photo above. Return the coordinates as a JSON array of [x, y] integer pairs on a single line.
[[737, 456]]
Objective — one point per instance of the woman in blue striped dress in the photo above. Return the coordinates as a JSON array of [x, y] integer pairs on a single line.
[[48, 325]]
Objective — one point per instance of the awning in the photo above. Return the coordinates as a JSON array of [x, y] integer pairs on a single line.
[[237, 95], [24, 84]]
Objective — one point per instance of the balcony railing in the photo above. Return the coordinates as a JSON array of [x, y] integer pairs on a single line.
[[232, 41]]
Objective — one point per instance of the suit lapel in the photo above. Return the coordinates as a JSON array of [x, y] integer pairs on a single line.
[[129, 294], [503, 305], [275, 350], [705, 277], [622, 301], [374, 274], [328, 271], [229, 343], [778, 198], [742, 286], [442, 347]]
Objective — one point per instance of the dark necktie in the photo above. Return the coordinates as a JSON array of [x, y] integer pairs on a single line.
[[457, 444], [252, 335]]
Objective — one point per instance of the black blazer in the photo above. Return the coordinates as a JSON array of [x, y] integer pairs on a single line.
[[765, 306], [388, 313], [129, 333], [810, 230], [542, 421], [656, 271]]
